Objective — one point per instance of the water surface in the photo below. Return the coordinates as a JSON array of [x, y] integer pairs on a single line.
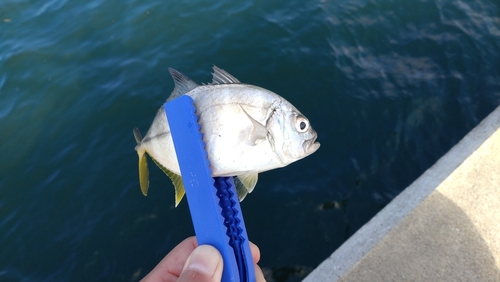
[[390, 86]]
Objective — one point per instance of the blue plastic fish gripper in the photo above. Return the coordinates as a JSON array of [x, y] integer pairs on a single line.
[[213, 201]]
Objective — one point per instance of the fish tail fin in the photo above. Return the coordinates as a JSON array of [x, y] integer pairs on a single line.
[[143, 172], [137, 135], [143, 164]]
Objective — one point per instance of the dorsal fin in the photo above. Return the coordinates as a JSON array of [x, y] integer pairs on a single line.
[[221, 76], [183, 84]]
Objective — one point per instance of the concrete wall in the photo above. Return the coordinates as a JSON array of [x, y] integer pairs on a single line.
[[444, 227]]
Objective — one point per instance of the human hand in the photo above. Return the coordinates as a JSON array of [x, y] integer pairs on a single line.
[[188, 262]]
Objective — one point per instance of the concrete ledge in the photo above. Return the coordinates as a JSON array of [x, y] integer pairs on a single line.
[[444, 227]]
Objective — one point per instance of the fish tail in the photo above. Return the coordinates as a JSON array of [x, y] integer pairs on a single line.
[[143, 172], [143, 164], [137, 135]]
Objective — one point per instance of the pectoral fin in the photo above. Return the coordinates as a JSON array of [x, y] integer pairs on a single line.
[[176, 180], [259, 132], [245, 183]]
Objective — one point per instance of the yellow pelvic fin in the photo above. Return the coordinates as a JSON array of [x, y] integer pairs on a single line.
[[176, 180], [245, 183]]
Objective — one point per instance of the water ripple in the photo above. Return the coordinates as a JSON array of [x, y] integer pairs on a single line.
[[389, 87]]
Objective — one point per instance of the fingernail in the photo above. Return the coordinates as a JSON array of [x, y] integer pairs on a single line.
[[204, 259]]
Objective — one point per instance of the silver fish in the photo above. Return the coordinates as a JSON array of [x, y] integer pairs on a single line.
[[246, 129]]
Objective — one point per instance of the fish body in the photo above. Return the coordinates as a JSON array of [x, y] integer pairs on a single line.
[[246, 129]]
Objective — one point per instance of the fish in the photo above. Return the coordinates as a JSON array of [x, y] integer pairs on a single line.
[[246, 129]]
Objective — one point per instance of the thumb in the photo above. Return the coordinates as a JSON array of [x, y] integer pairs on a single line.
[[203, 265]]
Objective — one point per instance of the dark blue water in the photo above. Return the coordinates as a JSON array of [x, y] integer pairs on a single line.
[[390, 86]]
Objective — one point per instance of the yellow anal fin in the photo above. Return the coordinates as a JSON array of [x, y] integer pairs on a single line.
[[176, 180]]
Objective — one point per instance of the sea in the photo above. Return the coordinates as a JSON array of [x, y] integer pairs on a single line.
[[389, 86]]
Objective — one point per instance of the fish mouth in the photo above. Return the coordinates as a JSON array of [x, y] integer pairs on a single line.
[[310, 146]]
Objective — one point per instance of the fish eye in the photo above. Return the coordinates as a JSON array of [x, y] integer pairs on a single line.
[[302, 124]]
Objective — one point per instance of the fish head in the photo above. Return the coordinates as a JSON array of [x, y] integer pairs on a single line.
[[293, 137]]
